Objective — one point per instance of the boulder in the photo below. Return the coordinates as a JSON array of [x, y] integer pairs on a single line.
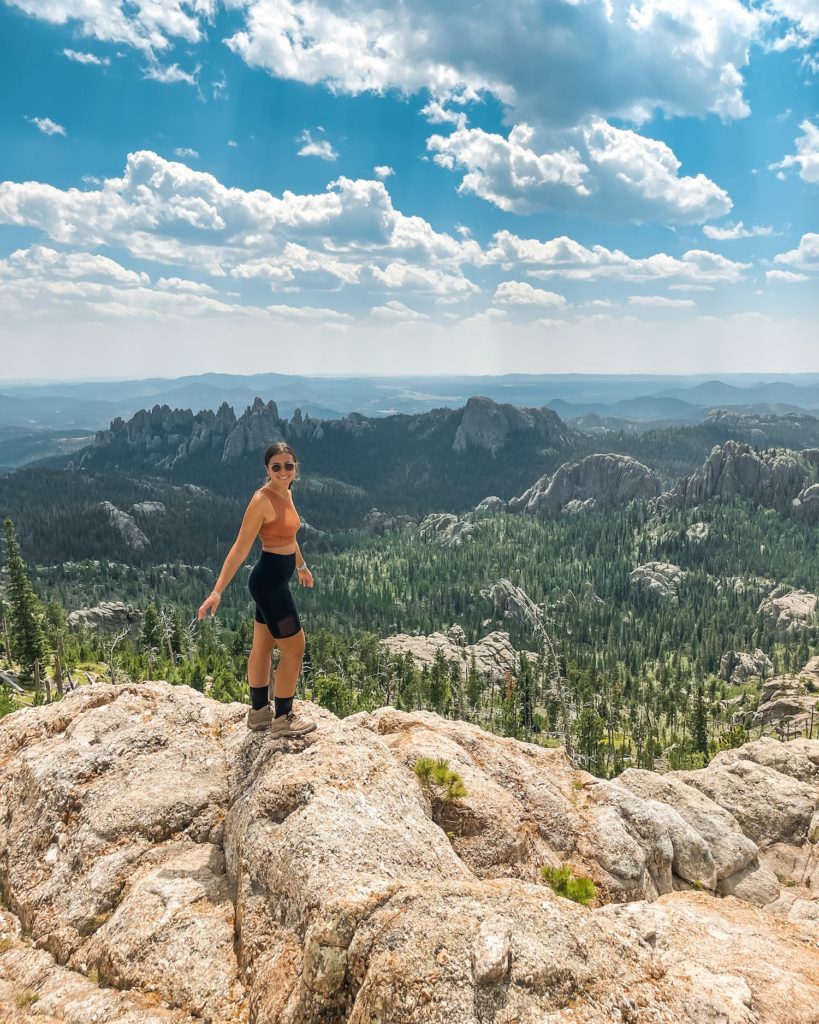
[[790, 608], [36, 989], [730, 851], [790, 713], [313, 539], [493, 654], [659, 579], [739, 666], [447, 530], [799, 758], [380, 522], [805, 506], [491, 504], [148, 508], [602, 480], [107, 617], [768, 806]]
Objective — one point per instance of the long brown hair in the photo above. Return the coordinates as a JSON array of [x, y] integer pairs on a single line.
[[278, 448]]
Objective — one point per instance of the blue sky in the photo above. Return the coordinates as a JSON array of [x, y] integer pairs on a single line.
[[313, 186]]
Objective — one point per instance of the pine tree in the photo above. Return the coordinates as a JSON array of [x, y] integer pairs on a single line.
[[28, 639], [151, 629], [699, 725]]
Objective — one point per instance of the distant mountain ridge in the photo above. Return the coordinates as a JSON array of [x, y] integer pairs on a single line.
[[163, 436], [93, 404]]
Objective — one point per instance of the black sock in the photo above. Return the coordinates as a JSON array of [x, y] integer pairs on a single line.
[[283, 705], [258, 697]]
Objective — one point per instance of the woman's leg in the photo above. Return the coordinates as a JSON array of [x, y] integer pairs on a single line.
[[291, 649], [258, 662]]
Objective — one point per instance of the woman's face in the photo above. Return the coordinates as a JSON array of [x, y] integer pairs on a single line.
[[277, 467]]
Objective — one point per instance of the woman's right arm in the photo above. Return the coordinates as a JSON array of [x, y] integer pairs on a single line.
[[248, 531]]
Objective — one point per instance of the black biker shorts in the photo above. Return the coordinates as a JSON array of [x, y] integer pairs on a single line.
[[270, 589]]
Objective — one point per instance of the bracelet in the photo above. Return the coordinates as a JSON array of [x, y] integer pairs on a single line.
[[302, 567], [217, 592]]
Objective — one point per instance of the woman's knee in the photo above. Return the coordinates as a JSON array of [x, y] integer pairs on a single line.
[[263, 640], [292, 647]]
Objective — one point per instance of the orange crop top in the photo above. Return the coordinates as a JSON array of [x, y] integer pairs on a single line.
[[285, 526]]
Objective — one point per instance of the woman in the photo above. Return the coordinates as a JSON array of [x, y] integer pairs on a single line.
[[271, 515]]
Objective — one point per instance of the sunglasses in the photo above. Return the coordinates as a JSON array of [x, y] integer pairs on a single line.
[[277, 467]]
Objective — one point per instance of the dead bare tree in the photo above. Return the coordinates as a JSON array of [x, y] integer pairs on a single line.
[[112, 646], [556, 685]]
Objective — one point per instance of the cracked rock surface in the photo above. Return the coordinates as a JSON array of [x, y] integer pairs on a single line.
[[160, 863]]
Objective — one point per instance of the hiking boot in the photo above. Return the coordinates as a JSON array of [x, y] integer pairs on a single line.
[[291, 724], [260, 718]]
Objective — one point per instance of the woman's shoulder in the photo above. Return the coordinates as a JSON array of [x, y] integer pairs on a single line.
[[263, 496]]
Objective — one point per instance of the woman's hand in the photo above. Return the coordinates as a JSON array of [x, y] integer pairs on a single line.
[[211, 603], [305, 577]]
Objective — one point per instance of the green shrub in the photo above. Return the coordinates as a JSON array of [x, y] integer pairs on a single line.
[[437, 773], [565, 883]]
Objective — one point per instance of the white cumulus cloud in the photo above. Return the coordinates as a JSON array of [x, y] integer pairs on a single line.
[[564, 257], [167, 213], [733, 231], [660, 301], [171, 74], [806, 157], [787, 276], [40, 282], [624, 58], [409, 277], [145, 26], [321, 148], [521, 293], [596, 168], [80, 57], [799, 22], [397, 312], [47, 126], [179, 284], [805, 256], [507, 172], [383, 171]]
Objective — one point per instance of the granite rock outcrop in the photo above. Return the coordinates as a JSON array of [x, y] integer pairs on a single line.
[[789, 607], [598, 481], [488, 425], [447, 529], [126, 526], [660, 579], [493, 655], [771, 477], [107, 617], [511, 602], [381, 522], [740, 666], [160, 863]]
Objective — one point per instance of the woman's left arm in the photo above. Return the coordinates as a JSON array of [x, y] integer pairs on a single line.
[[305, 576]]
